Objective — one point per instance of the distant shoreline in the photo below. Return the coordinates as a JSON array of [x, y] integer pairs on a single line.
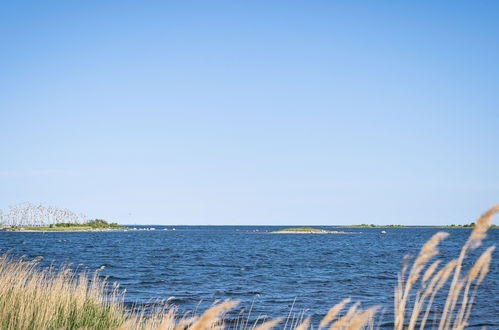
[[61, 230], [410, 226], [290, 230], [73, 229], [89, 226], [309, 232]]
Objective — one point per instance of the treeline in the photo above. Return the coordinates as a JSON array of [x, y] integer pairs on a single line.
[[364, 225], [469, 225], [95, 224]]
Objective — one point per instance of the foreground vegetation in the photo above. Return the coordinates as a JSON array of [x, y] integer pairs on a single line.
[[31, 298]]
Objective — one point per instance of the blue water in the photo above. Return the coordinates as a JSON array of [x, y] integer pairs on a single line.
[[199, 264]]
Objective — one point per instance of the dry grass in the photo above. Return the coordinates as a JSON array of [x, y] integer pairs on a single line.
[[47, 299], [459, 301], [33, 299]]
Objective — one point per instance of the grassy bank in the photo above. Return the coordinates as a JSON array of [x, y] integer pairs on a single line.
[[305, 230], [93, 225], [468, 226], [373, 226], [31, 298]]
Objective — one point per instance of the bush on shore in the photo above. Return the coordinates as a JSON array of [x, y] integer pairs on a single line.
[[96, 224]]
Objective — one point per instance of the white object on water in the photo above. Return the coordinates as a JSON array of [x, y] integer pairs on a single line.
[[382, 232]]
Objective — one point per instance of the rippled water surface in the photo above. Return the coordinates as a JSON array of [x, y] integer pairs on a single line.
[[199, 264]]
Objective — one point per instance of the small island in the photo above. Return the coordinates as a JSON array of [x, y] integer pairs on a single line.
[[306, 230]]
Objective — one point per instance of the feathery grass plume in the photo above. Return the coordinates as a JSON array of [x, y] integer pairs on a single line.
[[356, 318], [481, 226], [429, 271], [426, 290], [363, 319], [400, 284], [428, 251], [269, 324], [210, 318], [478, 272], [303, 325], [474, 241], [160, 319], [422, 295], [434, 286], [343, 321], [331, 314], [182, 324]]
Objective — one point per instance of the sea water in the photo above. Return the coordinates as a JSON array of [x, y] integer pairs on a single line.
[[272, 275]]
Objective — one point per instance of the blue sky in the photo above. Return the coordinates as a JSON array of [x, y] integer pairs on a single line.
[[251, 112]]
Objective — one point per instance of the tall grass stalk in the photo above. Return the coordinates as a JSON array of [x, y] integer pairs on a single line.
[[33, 299], [473, 242], [458, 304]]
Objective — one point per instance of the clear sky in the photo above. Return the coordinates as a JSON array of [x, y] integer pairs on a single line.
[[251, 112]]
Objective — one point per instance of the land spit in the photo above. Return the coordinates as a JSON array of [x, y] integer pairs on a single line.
[[307, 230]]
